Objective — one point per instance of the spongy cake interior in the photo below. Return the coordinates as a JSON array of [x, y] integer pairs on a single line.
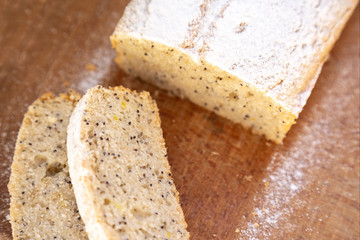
[[43, 204], [204, 84], [131, 186]]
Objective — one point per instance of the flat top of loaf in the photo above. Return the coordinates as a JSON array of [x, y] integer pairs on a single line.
[[42, 200], [276, 46], [119, 167]]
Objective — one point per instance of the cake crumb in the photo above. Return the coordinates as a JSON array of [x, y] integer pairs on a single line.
[[237, 230], [266, 184], [156, 93], [90, 67], [248, 178]]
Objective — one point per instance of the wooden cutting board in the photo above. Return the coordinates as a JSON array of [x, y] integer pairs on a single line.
[[232, 184]]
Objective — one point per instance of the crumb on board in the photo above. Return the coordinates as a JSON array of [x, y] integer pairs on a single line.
[[237, 230], [248, 178], [90, 67], [156, 93], [266, 184]]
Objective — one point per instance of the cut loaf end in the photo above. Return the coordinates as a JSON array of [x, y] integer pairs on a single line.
[[204, 84], [42, 203], [252, 62], [119, 168]]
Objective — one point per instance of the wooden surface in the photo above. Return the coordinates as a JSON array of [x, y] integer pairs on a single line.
[[232, 184]]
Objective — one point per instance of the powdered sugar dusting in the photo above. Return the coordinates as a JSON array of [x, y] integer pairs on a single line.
[[300, 176], [7, 149], [279, 199], [7, 138], [4, 211], [101, 64]]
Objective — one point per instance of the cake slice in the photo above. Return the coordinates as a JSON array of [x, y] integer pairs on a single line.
[[253, 62], [119, 168], [42, 204]]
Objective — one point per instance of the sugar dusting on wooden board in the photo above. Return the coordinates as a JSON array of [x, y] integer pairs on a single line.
[[273, 209], [5, 166], [292, 176], [94, 71]]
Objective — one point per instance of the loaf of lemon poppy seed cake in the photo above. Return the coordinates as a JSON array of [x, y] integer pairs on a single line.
[[253, 62], [42, 202], [119, 169]]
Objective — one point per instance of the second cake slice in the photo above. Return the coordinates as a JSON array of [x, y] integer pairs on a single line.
[[119, 168]]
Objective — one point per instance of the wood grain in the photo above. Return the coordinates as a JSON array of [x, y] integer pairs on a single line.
[[232, 184]]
